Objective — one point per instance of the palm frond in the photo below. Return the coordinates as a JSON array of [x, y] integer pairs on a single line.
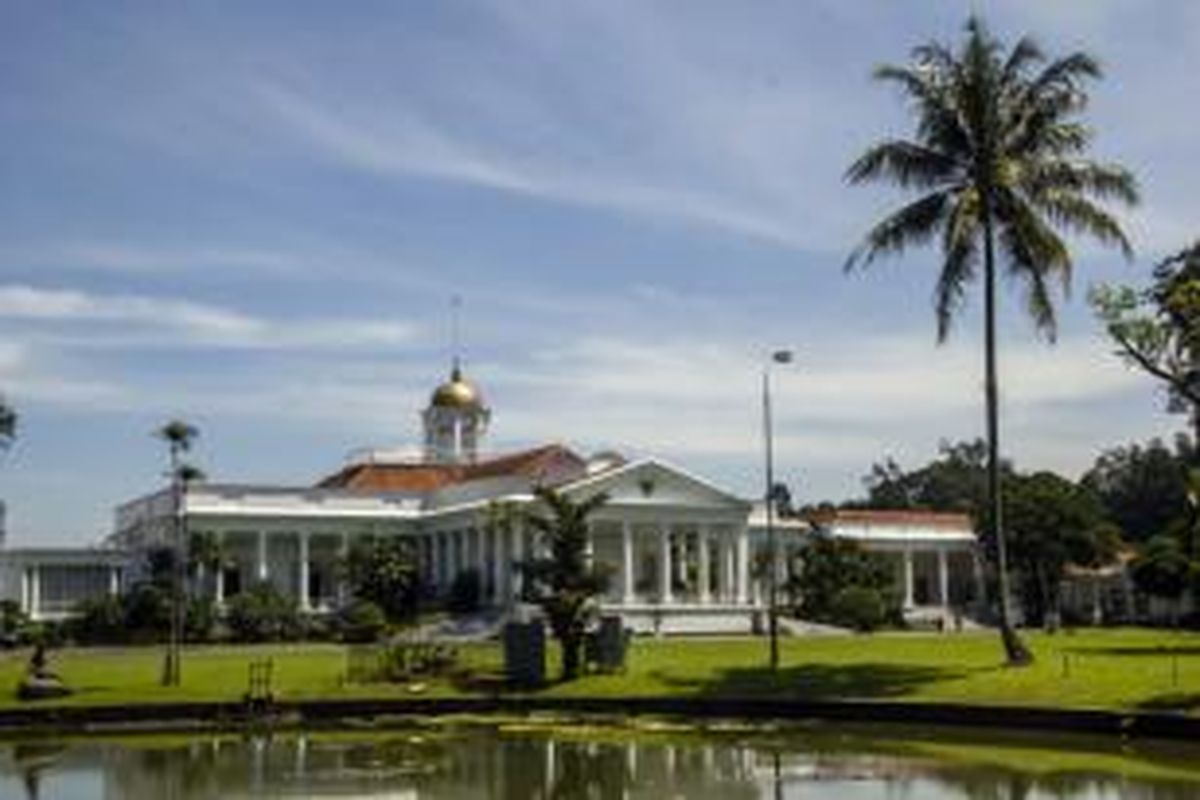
[[913, 224], [1080, 215], [1024, 53], [1103, 181], [960, 238], [908, 164]]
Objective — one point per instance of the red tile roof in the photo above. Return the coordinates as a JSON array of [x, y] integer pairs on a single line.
[[549, 464]]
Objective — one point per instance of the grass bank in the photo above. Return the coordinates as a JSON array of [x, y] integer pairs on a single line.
[[1125, 669]]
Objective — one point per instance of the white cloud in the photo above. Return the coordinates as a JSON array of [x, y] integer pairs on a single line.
[[135, 319]]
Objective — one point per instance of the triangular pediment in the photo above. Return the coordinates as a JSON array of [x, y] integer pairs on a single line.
[[654, 483]]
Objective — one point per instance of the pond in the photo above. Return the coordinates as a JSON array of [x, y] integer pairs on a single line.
[[522, 759]]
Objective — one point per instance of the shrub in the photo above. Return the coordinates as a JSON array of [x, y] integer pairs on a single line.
[[199, 619], [13, 622], [859, 607], [147, 612], [100, 621], [361, 622], [465, 592], [262, 614]]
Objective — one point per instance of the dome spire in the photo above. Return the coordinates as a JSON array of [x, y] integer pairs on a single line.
[[457, 415], [455, 343]]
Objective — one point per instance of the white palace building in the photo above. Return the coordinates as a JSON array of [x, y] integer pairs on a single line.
[[686, 555]]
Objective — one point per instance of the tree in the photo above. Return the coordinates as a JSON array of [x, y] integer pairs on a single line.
[[1162, 569], [841, 584], [1157, 329], [206, 556], [998, 159], [8, 423], [564, 583], [1143, 487], [1052, 522], [955, 481], [179, 436], [383, 570]]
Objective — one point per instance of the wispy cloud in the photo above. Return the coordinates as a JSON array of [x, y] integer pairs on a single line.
[[135, 319]]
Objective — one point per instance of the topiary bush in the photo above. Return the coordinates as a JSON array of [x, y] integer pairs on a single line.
[[361, 622], [262, 614], [861, 608]]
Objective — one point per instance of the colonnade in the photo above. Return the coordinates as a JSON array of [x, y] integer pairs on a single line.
[[711, 561], [494, 555]]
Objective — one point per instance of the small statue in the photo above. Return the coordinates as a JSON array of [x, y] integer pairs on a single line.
[[40, 682]]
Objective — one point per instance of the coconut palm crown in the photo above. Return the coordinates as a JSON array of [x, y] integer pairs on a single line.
[[997, 161]]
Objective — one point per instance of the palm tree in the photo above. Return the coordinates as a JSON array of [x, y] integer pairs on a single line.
[[179, 436], [8, 423], [564, 582], [997, 158]]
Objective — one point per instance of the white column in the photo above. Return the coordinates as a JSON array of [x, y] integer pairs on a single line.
[[664, 566], [705, 571], [499, 592], [908, 579], [727, 570], [343, 551], [26, 584], [219, 585], [743, 565], [35, 591], [518, 556], [943, 578], [481, 564], [114, 581], [626, 563], [302, 589], [262, 570]]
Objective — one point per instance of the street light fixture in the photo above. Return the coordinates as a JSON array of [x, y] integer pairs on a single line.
[[777, 357]]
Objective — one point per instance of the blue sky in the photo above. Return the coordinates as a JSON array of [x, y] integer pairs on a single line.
[[254, 216]]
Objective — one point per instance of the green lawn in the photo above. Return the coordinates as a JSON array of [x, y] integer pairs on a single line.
[[1122, 669]]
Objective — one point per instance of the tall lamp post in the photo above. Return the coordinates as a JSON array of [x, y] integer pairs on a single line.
[[777, 357]]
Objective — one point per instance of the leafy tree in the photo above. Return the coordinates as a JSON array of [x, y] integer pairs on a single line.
[[1157, 329], [1162, 569], [564, 583], [1052, 522], [955, 481], [1143, 487], [828, 569], [8, 423], [998, 159], [383, 570]]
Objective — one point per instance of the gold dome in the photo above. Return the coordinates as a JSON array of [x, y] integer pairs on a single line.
[[457, 393]]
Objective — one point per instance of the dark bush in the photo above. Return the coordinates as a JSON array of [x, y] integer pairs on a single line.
[[199, 620], [99, 621], [361, 622], [465, 592], [147, 612], [859, 607], [13, 622], [262, 614]]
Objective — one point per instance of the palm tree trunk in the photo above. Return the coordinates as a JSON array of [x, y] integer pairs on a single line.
[[1014, 649]]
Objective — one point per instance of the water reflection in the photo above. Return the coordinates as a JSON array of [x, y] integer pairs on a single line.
[[524, 765]]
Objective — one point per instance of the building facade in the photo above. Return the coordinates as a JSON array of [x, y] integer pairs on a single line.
[[684, 555]]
